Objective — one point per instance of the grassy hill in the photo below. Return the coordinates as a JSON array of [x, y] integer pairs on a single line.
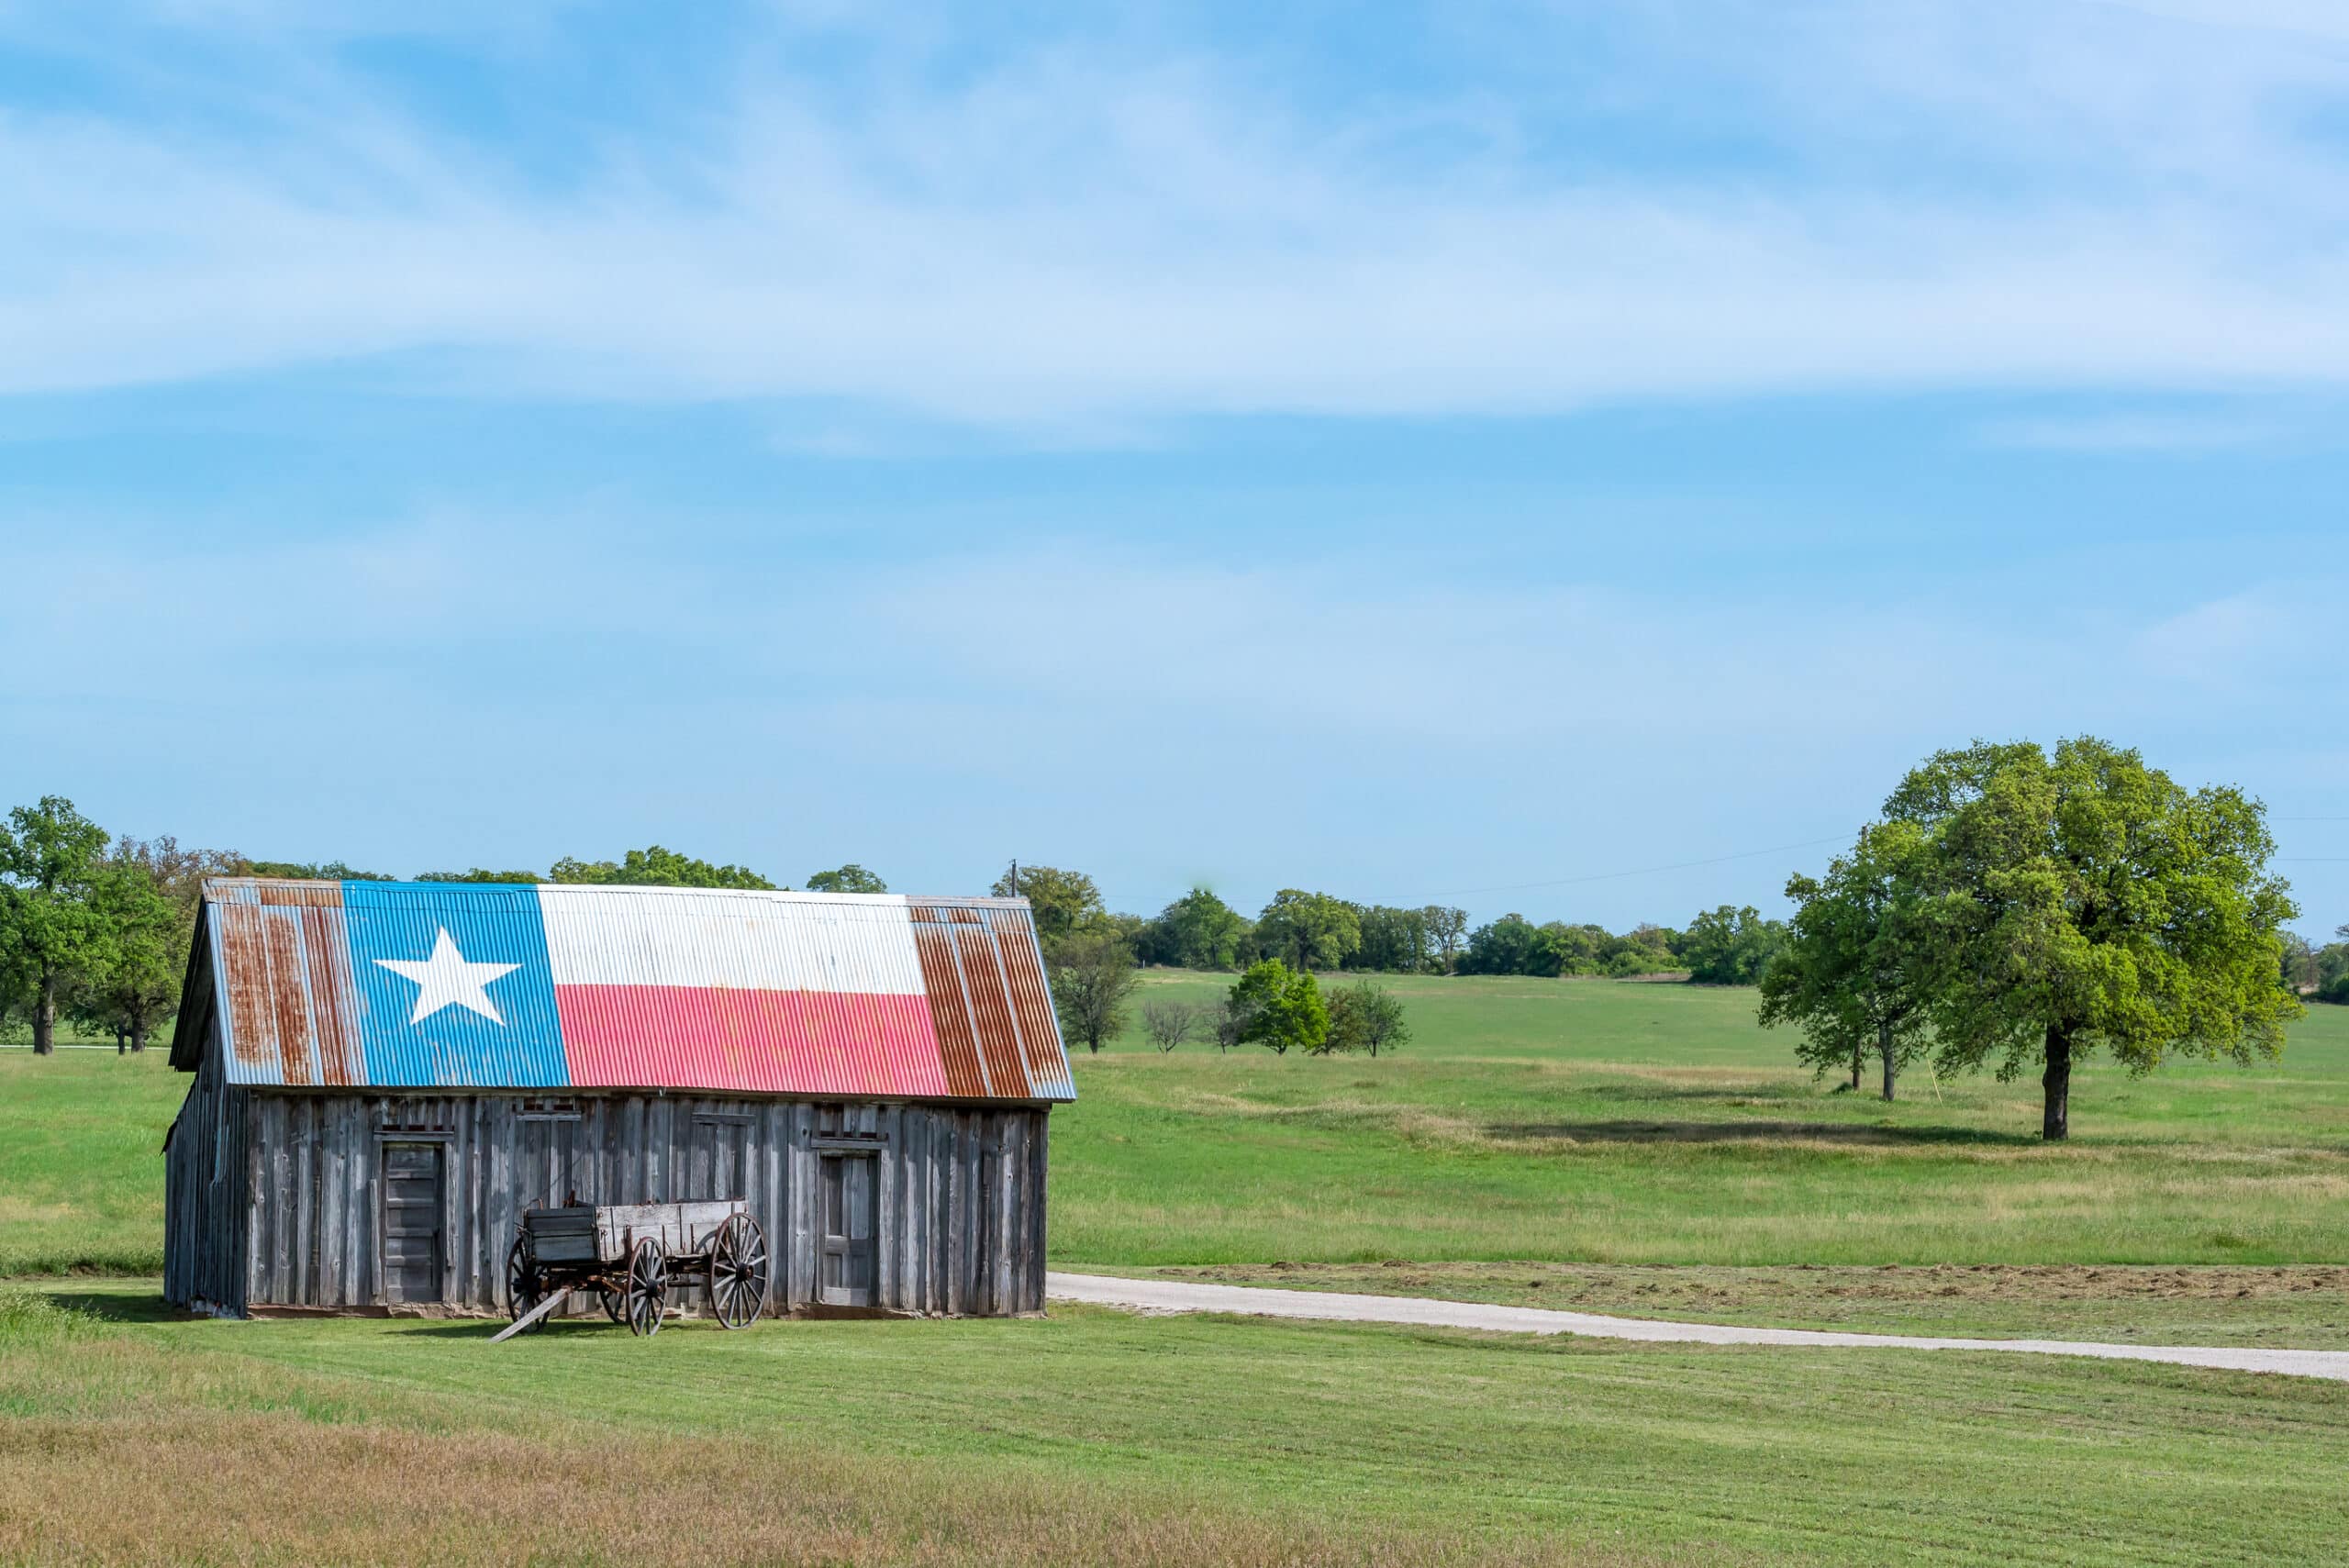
[[1584, 1122], [1601, 1131], [1624, 1123]]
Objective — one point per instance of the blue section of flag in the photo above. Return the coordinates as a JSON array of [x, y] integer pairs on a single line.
[[454, 1047]]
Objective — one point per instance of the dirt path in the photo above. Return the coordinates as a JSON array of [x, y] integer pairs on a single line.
[[1176, 1296]]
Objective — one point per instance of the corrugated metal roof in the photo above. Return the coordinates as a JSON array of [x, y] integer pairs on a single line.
[[491, 985]]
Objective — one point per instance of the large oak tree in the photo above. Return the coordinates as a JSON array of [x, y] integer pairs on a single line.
[[2085, 901]]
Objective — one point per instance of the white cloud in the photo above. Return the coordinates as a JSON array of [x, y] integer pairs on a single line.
[[1084, 239]]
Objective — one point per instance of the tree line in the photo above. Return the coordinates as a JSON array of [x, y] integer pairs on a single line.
[[95, 929], [1310, 931]]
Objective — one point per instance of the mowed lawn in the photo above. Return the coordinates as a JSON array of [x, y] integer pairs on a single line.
[[1568, 1122], [1623, 1123], [1100, 1438], [1589, 1131]]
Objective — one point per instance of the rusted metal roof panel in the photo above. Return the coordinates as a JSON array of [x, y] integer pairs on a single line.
[[446, 985]]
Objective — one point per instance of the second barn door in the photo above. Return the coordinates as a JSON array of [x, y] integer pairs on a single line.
[[844, 1267]]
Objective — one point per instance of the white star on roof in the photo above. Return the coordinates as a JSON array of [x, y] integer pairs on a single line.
[[446, 980]]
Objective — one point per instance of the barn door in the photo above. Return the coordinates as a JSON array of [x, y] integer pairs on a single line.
[[846, 1265], [412, 1222]]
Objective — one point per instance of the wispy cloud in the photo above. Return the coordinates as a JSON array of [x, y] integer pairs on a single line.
[[1067, 234]]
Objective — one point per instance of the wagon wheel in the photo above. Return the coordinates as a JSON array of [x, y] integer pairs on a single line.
[[648, 1286], [738, 1272], [525, 1287], [615, 1303]]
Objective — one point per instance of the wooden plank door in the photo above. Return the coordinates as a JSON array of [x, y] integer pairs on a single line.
[[845, 1263], [413, 1219]]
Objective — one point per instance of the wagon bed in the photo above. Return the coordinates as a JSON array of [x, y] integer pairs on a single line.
[[632, 1255]]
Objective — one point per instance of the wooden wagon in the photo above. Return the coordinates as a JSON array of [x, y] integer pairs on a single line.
[[633, 1256]]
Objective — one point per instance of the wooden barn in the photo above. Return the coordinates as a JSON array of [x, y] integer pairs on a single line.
[[385, 1074]]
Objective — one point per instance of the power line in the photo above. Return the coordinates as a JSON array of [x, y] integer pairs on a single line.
[[1646, 871]]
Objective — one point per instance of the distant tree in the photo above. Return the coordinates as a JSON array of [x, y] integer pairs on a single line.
[[478, 874], [1234, 1017], [1060, 900], [1856, 973], [1092, 974], [133, 983], [1347, 1032], [849, 878], [1445, 927], [1393, 940], [1169, 1024], [1731, 946], [1511, 945], [50, 939], [1367, 1017], [2332, 968], [1199, 931], [2298, 966], [1648, 948], [1308, 930], [179, 874], [656, 867], [1284, 1008], [1574, 949], [2085, 900], [313, 871]]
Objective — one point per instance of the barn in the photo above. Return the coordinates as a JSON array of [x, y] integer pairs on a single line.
[[385, 1074]]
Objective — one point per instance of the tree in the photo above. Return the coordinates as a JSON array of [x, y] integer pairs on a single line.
[[1060, 901], [133, 983], [1093, 974], [2085, 900], [478, 874], [313, 871], [2332, 968], [1731, 946], [1283, 1007], [2299, 964], [1394, 941], [1445, 925], [1234, 1017], [849, 878], [50, 937], [1169, 1024], [1201, 931], [1308, 930], [1365, 1016], [1511, 945], [656, 867], [1855, 972]]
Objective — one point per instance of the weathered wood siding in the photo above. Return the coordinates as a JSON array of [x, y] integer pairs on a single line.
[[959, 1193], [205, 1193]]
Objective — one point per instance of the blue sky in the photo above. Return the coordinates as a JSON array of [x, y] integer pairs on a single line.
[[1454, 453]]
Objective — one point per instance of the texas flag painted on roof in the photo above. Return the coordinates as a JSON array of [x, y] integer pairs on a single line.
[[418, 985]]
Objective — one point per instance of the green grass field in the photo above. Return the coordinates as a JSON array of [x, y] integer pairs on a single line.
[[1097, 1437], [1611, 1123], [1639, 1148], [1562, 1122]]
